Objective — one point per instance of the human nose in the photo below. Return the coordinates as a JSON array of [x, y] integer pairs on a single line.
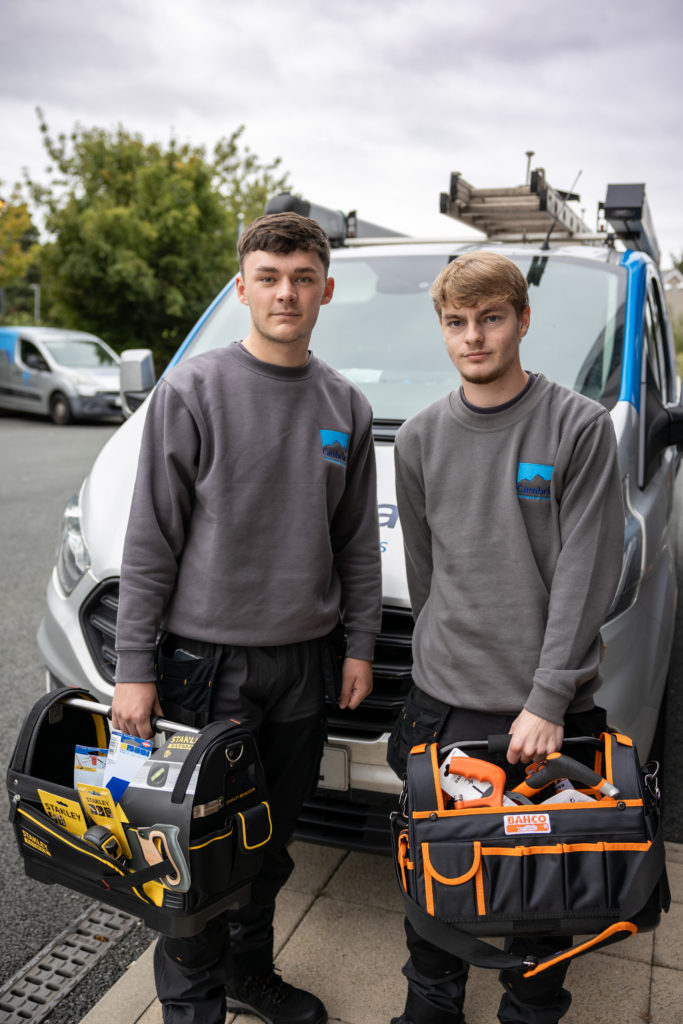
[[286, 290], [473, 332]]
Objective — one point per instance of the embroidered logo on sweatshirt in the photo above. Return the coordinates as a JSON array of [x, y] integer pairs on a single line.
[[335, 446], [533, 481]]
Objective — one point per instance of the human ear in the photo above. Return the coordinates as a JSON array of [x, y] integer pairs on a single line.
[[241, 291]]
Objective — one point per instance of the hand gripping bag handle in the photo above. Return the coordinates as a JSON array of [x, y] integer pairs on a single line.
[[206, 737], [482, 954]]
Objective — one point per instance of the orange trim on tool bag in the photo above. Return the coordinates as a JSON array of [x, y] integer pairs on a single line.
[[479, 890], [597, 805], [240, 815], [402, 857], [529, 851], [624, 740], [431, 873], [433, 752], [608, 773], [622, 926], [419, 748]]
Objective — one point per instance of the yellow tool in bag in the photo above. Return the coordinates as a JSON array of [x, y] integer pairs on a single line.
[[179, 845]]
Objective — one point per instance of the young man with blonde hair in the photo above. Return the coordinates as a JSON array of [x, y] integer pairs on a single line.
[[510, 502], [253, 530]]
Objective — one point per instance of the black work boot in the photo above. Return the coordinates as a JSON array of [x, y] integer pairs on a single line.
[[269, 997], [419, 1011]]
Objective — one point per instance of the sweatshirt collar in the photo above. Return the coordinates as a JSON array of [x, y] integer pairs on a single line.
[[500, 417], [272, 370]]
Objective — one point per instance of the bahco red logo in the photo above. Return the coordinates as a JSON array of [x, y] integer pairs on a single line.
[[516, 824]]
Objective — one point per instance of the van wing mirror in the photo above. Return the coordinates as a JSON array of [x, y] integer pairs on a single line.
[[137, 378]]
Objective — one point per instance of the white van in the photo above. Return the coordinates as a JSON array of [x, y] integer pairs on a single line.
[[66, 375], [599, 325]]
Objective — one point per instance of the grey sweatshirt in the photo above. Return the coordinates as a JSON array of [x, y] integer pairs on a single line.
[[513, 529], [254, 514]]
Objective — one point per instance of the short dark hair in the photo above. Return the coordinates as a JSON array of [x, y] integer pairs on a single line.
[[284, 233], [478, 277]]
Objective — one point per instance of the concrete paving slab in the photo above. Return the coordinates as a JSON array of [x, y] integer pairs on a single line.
[[350, 958], [291, 910], [674, 869], [606, 990], [636, 947], [366, 878], [151, 1016], [347, 945], [313, 866], [668, 936], [666, 999], [129, 998]]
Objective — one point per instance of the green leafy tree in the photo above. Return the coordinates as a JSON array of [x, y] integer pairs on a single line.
[[18, 253], [143, 235]]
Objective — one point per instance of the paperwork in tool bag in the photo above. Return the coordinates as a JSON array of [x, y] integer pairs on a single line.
[[126, 756], [89, 765]]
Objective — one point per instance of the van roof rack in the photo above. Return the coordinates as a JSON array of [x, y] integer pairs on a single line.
[[529, 211], [337, 226]]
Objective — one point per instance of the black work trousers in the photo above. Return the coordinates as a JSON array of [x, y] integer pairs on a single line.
[[436, 978], [278, 693]]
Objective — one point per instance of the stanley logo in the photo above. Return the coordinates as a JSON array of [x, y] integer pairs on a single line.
[[525, 824]]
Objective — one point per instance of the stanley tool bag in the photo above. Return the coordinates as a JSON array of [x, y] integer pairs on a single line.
[[179, 845], [474, 859]]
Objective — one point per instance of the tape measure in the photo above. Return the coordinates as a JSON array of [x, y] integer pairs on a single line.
[[104, 840]]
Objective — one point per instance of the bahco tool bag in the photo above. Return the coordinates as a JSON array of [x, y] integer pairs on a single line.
[[180, 844], [572, 850]]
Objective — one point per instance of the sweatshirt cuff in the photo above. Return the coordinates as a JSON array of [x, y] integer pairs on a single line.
[[547, 704], [136, 667], [360, 645]]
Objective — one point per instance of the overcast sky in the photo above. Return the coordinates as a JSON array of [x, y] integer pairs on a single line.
[[369, 104]]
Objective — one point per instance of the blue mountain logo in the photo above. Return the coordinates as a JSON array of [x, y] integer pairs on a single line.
[[533, 481], [335, 446]]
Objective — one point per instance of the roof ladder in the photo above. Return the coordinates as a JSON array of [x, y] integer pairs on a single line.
[[524, 211]]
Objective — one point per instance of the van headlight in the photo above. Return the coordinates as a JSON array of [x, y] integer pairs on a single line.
[[73, 557]]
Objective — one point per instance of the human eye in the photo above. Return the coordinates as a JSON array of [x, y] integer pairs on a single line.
[[453, 322]]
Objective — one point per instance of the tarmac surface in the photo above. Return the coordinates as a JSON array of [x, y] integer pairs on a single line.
[[339, 933]]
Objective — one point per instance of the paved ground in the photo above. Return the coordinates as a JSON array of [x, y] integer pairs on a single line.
[[339, 933]]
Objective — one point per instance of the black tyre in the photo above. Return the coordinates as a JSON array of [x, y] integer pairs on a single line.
[[60, 410]]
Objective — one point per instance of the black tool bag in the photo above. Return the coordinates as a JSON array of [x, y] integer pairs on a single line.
[[186, 837], [470, 868]]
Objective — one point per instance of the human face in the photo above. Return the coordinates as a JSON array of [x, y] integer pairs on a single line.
[[284, 294], [483, 343]]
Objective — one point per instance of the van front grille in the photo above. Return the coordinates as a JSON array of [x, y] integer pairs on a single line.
[[391, 670]]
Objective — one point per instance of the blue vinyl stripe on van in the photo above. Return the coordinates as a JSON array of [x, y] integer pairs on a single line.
[[636, 266], [203, 318]]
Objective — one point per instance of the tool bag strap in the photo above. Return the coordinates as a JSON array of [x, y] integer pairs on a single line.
[[136, 878], [206, 737], [18, 762], [423, 778], [482, 954]]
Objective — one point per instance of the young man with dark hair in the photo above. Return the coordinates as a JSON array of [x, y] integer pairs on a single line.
[[510, 502], [253, 529]]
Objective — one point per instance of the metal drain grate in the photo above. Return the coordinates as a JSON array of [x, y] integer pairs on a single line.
[[37, 988]]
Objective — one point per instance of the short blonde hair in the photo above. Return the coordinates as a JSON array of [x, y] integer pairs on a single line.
[[478, 277]]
